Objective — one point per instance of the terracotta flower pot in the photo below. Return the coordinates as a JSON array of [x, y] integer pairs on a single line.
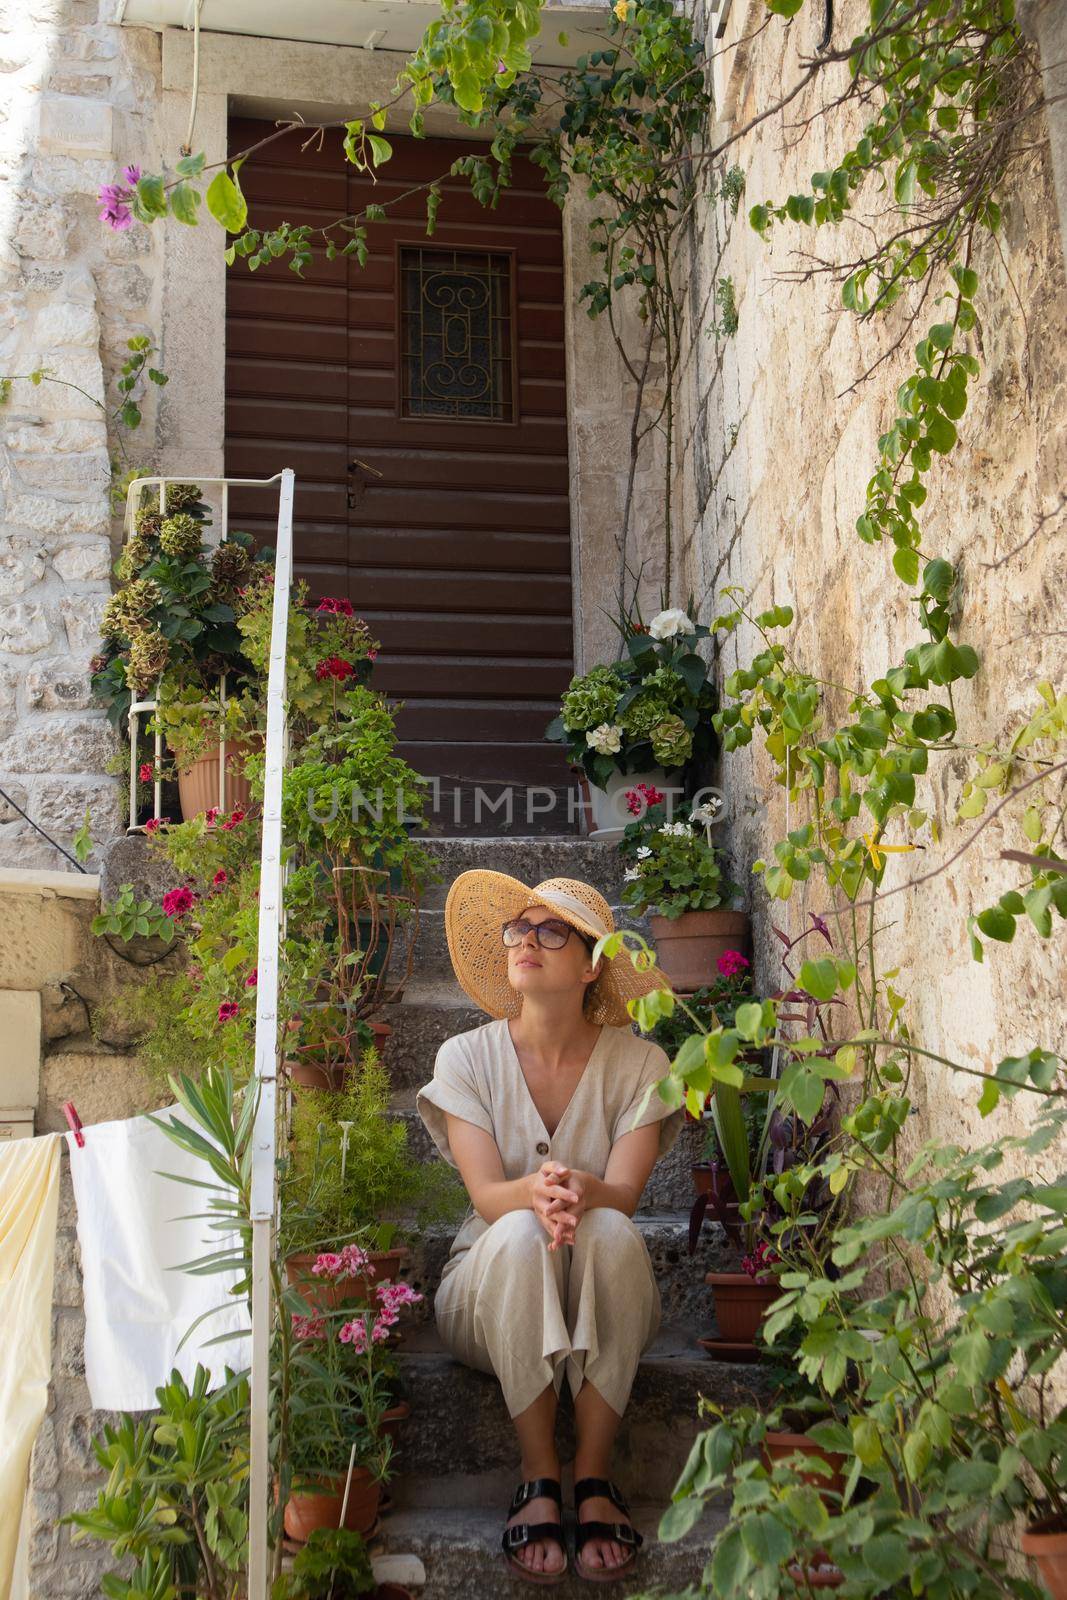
[[741, 1303], [776, 1446], [321, 1507], [687, 947], [1046, 1544], [822, 1574], [326, 1294], [198, 787]]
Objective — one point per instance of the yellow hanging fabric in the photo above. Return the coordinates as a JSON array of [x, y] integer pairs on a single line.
[[29, 1207]]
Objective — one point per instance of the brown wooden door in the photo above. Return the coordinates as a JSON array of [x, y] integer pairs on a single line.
[[421, 401]]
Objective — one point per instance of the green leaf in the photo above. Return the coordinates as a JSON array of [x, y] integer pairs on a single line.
[[185, 203], [906, 564], [678, 1519], [768, 1541], [819, 979], [887, 1557], [380, 148], [226, 202], [996, 923], [731, 1563]]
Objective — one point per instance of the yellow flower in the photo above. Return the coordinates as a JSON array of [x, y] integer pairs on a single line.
[[875, 849], [621, 9]]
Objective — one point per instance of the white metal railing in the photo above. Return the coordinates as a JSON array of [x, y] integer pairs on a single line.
[[264, 1192]]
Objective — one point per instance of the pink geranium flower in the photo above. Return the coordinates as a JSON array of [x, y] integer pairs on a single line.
[[228, 1010], [146, 772], [221, 878], [176, 902], [308, 1327], [154, 824], [336, 606], [211, 815], [253, 978], [731, 962]]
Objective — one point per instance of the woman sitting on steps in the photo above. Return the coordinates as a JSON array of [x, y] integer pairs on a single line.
[[548, 1273]]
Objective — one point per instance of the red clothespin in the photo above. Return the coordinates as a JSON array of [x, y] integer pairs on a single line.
[[74, 1122]]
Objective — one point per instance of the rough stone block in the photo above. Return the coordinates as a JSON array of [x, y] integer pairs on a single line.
[[59, 744], [25, 628], [67, 1286], [81, 618], [20, 1029], [59, 807], [58, 686], [84, 563], [44, 1526], [44, 1463], [79, 469], [66, 324], [103, 1087], [68, 1354], [43, 227], [21, 565], [71, 125], [61, 518]]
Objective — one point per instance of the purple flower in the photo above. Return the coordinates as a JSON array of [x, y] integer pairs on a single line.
[[115, 200]]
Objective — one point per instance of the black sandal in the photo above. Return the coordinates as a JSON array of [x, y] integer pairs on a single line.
[[521, 1534], [621, 1532]]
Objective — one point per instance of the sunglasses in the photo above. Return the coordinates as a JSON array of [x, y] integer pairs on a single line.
[[551, 935]]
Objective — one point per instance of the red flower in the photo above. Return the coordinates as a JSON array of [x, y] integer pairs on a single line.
[[154, 824], [176, 902], [731, 962], [252, 979], [147, 772], [652, 797], [211, 815], [334, 667], [221, 877], [236, 815], [228, 1010], [336, 606], [372, 655]]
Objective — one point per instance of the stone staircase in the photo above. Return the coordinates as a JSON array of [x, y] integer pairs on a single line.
[[458, 1458]]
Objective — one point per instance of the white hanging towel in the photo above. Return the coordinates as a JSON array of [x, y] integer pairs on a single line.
[[134, 1226]]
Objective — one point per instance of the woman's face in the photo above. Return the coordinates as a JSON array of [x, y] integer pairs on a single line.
[[534, 970]]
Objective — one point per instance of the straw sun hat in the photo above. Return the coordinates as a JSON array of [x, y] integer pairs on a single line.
[[480, 902]]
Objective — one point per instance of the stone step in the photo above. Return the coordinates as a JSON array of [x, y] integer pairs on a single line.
[[529, 858], [670, 1185], [685, 1296], [459, 1424], [460, 1549]]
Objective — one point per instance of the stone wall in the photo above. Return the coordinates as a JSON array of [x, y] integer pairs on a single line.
[[780, 436], [81, 97]]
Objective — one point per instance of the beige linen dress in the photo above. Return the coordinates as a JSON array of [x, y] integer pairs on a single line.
[[506, 1303]]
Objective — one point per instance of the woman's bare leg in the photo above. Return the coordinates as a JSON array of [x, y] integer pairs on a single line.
[[596, 1425], [536, 1428]]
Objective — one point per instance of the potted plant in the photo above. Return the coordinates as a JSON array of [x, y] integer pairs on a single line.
[[646, 716], [675, 875], [350, 1176], [171, 627], [338, 1455]]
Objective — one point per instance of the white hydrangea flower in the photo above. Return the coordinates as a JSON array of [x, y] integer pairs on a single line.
[[631, 874], [666, 624], [606, 739], [643, 851]]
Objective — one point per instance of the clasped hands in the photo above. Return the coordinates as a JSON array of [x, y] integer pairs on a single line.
[[559, 1201]]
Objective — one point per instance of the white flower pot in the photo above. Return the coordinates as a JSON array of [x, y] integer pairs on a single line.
[[609, 810]]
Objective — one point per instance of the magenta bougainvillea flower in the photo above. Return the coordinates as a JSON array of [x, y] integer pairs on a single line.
[[731, 962], [114, 200], [228, 1010], [336, 606], [176, 902]]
